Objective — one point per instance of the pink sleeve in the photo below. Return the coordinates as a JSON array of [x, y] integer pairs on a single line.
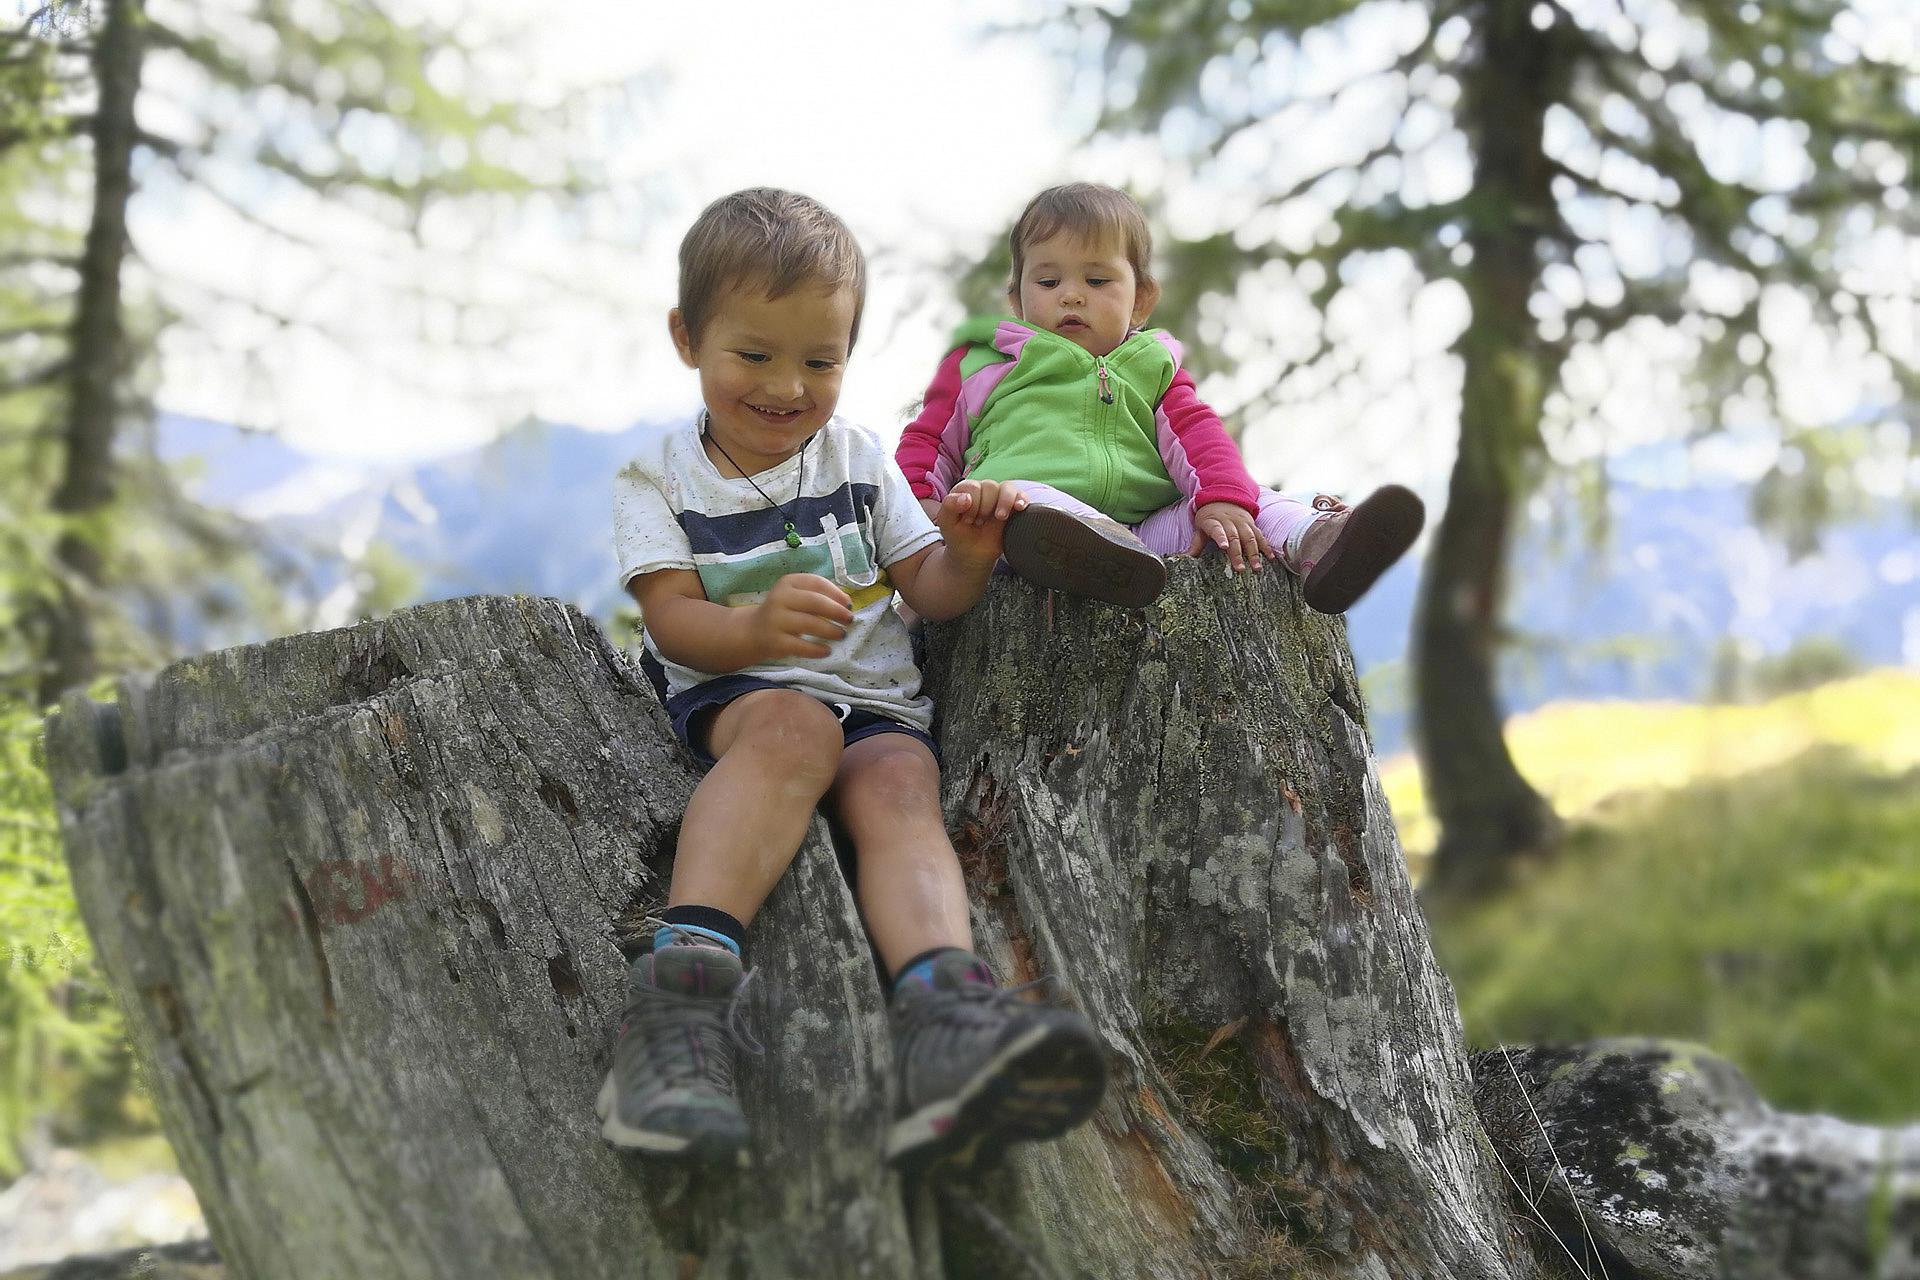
[[919, 453], [1200, 455]]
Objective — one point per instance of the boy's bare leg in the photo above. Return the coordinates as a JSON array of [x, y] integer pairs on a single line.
[[977, 1067], [911, 893], [670, 1090], [777, 751]]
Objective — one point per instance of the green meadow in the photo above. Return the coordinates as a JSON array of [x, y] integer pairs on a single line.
[[1747, 877]]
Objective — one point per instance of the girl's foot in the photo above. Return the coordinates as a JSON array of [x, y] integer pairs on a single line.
[[1345, 551], [1083, 556]]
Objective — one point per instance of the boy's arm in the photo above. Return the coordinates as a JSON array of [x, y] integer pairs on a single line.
[[931, 462], [945, 580], [802, 612], [1213, 469]]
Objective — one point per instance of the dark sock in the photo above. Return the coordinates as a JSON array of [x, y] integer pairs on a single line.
[[709, 923], [920, 968]]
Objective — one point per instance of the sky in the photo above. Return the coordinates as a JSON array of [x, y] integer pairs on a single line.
[[875, 108], [927, 132]]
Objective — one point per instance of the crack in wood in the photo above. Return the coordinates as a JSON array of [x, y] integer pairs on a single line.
[[311, 920]]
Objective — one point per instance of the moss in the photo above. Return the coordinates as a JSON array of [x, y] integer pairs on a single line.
[[1222, 1102], [1880, 1206]]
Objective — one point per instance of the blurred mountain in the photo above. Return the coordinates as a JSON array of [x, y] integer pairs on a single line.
[[1641, 616]]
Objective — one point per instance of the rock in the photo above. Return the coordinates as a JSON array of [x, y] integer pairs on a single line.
[[187, 1260], [64, 1205], [1660, 1158]]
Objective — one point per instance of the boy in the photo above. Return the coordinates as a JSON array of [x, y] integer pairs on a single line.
[[764, 540]]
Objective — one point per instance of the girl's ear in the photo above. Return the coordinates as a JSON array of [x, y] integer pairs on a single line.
[[1145, 298], [682, 340], [1013, 303]]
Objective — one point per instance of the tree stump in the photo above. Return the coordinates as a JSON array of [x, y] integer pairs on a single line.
[[1177, 812], [365, 895]]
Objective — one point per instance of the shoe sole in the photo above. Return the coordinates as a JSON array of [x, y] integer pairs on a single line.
[[1038, 1087], [1377, 533], [654, 1142], [1060, 552]]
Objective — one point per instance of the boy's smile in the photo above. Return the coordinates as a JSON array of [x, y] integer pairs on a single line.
[[1085, 291], [770, 370]]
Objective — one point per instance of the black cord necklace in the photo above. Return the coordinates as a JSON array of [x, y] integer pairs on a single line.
[[800, 487]]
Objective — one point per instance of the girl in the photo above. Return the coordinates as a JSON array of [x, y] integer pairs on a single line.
[[1095, 421]]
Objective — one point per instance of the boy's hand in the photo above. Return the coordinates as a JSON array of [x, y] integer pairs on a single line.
[[803, 611], [973, 518], [1228, 526]]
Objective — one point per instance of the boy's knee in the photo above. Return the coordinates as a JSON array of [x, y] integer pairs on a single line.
[[896, 773], [800, 730]]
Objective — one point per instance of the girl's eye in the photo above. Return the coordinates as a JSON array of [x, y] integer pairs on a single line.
[[1096, 281], [1046, 282]]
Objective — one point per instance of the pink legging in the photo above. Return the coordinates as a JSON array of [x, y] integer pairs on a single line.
[[1169, 531]]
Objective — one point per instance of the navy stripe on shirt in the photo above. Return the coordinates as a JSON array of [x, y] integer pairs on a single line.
[[733, 534]]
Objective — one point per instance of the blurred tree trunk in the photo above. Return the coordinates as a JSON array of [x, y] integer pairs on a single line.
[[97, 356], [1488, 813]]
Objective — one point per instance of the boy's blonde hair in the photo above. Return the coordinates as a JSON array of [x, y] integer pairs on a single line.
[[1090, 211], [778, 240]]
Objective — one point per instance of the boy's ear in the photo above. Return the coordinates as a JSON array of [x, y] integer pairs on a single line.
[[682, 340], [1145, 298]]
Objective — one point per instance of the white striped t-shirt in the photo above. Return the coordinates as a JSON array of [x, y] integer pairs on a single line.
[[672, 509]]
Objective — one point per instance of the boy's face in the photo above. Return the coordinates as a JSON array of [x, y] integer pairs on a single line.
[[770, 369], [1084, 290]]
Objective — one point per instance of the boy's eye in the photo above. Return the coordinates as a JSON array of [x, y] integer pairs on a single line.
[[822, 365], [1046, 282], [1096, 281], [752, 357]]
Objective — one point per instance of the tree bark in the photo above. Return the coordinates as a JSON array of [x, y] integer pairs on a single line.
[[97, 356], [1488, 813], [364, 894], [1177, 813]]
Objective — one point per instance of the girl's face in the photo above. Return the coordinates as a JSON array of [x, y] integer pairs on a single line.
[[1082, 289]]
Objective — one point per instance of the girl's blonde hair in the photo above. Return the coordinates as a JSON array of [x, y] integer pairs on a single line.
[[1090, 211]]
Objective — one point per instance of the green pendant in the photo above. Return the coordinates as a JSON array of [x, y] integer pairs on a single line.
[[793, 539]]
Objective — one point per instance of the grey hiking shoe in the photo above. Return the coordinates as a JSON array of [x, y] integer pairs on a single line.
[[979, 1068], [670, 1091], [1083, 556]]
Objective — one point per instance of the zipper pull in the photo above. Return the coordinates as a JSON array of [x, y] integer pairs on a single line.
[[1106, 392]]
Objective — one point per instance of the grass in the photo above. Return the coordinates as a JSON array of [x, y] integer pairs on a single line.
[[1770, 912], [1584, 755]]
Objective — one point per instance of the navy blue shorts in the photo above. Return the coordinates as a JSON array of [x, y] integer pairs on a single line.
[[694, 709]]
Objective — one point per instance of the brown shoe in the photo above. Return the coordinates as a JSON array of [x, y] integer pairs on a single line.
[[1093, 557], [1346, 551]]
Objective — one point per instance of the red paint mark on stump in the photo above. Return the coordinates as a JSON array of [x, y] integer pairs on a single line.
[[346, 890]]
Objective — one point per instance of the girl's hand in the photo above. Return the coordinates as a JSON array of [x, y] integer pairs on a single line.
[[973, 517], [1228, 526], [798, 617]]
